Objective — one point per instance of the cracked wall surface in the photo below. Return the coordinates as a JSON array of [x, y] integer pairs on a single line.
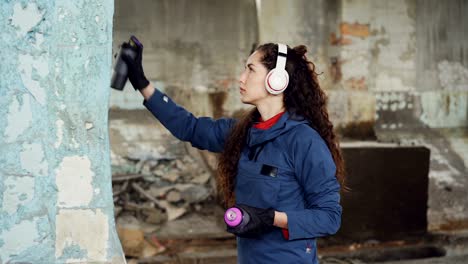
[[55, 185]]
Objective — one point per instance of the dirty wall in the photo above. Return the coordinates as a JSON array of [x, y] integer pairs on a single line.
[[394, 71], [55, 186], [404, 68]]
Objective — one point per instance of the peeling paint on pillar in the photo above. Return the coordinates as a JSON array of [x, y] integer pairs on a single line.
[[89, 247], [55, 184], [74, 173], [18, 119]]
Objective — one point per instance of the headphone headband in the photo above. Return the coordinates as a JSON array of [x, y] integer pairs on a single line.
[[282, 53]]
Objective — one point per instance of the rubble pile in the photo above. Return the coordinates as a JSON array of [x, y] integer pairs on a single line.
[[150, 189]]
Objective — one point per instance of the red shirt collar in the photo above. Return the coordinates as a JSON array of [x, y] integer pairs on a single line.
[[264, 125]]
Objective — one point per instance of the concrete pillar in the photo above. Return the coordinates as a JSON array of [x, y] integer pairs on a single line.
[[55, 185]]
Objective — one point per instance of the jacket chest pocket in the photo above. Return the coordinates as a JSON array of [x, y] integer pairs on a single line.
[[256, 185]]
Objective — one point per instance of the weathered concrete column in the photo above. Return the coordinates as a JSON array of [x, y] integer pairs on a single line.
[[55, 185]]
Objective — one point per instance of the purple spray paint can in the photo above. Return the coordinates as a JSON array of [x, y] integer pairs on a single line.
[[236, 217]]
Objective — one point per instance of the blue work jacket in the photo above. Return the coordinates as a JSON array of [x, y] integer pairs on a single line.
[[287, 167]]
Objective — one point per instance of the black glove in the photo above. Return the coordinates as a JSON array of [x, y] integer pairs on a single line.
[[135, 68], [261, 221]]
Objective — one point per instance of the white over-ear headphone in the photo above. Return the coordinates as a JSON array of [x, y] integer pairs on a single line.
[[277, 79]]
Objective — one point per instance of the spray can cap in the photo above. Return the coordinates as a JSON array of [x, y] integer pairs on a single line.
[[233, 216], [134, 42]]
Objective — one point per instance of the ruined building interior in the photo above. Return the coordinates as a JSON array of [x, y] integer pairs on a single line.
[[88, 175]]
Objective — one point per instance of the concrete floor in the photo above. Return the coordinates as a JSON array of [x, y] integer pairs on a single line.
[[202, 239]]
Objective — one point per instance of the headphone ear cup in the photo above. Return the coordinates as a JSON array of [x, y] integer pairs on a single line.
[[276, 81]]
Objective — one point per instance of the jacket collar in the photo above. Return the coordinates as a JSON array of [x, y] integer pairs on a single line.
[[287, 121]]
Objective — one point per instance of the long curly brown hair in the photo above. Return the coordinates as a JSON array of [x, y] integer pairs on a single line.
[[303, 96]]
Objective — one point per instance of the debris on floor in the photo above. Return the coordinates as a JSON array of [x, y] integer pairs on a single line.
[[150, 190]]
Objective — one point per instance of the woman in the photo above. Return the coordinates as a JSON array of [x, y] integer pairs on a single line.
[[280, 163]]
